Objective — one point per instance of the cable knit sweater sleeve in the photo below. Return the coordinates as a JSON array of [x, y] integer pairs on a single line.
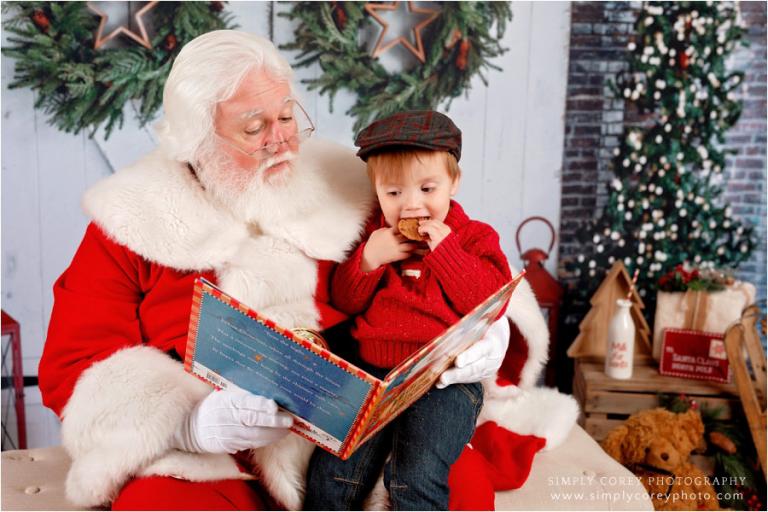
[[351, 288], [469, 266]]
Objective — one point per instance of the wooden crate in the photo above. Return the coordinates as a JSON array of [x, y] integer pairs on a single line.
[[606, 402]]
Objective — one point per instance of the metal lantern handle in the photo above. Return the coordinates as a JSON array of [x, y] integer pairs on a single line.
[[529, 219]]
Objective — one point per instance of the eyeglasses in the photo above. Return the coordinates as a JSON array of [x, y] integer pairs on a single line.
[[304, 128]]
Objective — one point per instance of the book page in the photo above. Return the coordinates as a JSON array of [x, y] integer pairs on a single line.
[[323, 392], [416, 375]]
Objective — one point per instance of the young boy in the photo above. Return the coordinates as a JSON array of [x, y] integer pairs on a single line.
[[404, 293]]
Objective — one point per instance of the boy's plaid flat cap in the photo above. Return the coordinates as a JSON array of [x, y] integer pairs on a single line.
[[425, 129]]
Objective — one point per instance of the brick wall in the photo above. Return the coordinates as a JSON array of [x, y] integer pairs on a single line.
[[594, 120], [746, 170], [599, 35]]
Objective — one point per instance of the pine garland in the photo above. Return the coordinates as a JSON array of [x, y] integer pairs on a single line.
[[81, 88], [459, 44], [740, 483], [665, 205]]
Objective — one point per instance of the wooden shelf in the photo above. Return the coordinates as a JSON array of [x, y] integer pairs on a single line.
[[607, 402]]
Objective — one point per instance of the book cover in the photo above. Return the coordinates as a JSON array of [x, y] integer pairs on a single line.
[[334, 403]]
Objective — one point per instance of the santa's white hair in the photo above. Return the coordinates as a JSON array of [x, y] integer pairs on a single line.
[[209, 70]]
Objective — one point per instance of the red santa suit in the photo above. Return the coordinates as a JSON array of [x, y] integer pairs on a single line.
[[123, 305]]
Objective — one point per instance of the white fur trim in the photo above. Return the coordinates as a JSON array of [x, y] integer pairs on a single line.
[[282, 467], [524, 312], [121, 417], [379, 497], [196, 467], [543, 412], [159, 210]]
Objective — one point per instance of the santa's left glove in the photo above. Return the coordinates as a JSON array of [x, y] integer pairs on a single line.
[[229, 421], [480, 361]]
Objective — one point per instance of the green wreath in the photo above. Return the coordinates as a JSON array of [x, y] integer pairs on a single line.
[[458, 45], [80, 87]]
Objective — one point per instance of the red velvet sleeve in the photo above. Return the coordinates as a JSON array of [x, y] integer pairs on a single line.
[[95, 313]]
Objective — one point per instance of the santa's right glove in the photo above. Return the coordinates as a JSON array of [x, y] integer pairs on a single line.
[[228, 421]]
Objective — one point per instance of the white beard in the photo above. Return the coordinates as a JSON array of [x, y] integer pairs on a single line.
[[247, 193]]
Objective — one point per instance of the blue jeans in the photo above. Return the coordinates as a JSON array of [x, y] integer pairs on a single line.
[[424, 441]]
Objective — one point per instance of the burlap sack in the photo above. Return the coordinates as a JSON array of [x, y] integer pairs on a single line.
[[700, 311]]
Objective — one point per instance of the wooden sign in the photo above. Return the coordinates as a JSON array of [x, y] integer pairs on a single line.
[[694, 355]]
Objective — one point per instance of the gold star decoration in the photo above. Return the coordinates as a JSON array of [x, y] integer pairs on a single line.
[[381, 47], [140, 38]]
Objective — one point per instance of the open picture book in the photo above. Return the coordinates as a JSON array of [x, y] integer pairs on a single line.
[[334, 403]]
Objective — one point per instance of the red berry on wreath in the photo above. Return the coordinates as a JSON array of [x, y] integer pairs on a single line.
[[217, 6], [340, 16], [40, 20], [461, 58], [170, 42]]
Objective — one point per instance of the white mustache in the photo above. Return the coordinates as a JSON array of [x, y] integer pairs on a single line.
[[274, 160]]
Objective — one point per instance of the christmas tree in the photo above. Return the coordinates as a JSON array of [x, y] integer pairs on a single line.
[[664, 205]]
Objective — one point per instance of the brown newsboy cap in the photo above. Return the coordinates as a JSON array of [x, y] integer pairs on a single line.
[[425, 129]]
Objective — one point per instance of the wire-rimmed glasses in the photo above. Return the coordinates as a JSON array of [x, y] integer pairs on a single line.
[[303, 126]]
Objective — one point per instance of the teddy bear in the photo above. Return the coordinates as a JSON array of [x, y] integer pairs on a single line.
[[656, 445]]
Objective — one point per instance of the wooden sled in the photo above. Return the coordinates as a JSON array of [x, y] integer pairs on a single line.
[[741, 343]]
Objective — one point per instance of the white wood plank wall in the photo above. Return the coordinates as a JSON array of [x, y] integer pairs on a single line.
[[513, 140]]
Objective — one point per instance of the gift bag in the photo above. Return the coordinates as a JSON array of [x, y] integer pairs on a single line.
[[700, 310]]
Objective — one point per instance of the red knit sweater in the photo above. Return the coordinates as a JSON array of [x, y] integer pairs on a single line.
[[397, 313]]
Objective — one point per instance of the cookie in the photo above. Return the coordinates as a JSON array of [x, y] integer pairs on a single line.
[[409, 228]]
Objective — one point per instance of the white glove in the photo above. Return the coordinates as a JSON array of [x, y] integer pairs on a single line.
[[481, 360], [228, 421]]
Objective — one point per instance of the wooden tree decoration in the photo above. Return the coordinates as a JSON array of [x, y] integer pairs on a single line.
[[592, 341]]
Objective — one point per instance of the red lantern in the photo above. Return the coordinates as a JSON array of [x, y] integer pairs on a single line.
[[548, 291]]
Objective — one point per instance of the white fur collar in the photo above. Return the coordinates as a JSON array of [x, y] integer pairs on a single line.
[[158, 209]]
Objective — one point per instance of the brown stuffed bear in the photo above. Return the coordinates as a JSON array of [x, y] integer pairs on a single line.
[[656, 445]]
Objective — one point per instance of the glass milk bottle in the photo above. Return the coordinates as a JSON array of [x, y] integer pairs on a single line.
[[621, 342]]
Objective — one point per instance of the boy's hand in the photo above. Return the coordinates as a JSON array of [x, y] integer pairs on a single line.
[[436, 231], [384, 246]]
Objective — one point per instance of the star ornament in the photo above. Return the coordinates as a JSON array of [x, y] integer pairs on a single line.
[[427, 16], [142, 38]]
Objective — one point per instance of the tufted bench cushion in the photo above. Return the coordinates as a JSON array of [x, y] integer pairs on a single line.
[[578, 475]]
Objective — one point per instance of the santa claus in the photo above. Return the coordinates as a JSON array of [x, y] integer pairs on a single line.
[[236, 194]]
